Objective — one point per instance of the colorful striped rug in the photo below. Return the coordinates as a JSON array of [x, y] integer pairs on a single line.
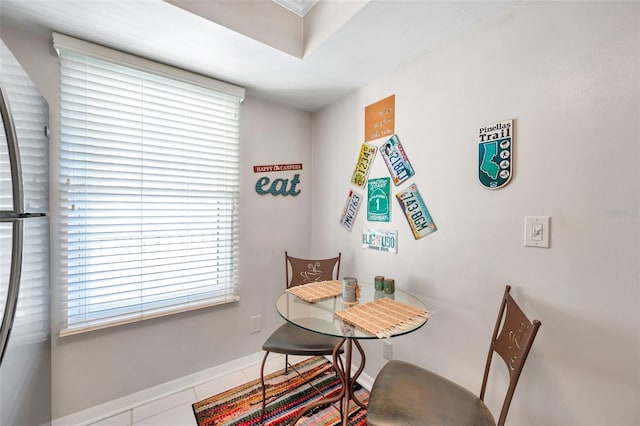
[[287, 394]]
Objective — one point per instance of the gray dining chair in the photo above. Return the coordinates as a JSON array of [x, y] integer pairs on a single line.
[[404, 394], [290, 339]]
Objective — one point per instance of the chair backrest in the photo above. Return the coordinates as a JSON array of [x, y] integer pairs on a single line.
[[305, 271], [512, 342]]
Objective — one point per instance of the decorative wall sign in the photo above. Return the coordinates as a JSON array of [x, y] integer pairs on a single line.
[[416, 212], [495, 154], [277, 168], [278, 186], [365, 159], [381, 240], [379, 119], [396, 160], [350, 210], [379, 195]]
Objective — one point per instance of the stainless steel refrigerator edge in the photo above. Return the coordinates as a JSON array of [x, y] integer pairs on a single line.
[[25, 333]]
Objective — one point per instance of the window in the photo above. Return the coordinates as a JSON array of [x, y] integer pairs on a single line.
[[149, 186]]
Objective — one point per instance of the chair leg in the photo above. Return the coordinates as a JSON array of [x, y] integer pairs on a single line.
[[286, 364], [264, 388]]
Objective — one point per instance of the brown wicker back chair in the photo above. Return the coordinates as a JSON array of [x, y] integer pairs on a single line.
[[406, 395], [289, 339]]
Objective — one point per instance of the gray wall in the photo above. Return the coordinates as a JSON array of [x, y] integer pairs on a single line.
[[569, 74], [100, 366]]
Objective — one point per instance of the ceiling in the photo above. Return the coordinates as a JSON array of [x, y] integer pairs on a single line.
[[337, 47], [299, 7]]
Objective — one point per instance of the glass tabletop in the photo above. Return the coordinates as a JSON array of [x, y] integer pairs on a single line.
[[319, 316]]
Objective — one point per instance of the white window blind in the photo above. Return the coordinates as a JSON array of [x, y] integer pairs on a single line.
[[149, 186]]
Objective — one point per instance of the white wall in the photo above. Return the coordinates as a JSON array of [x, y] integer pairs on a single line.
[[101, 366], [569, 74]]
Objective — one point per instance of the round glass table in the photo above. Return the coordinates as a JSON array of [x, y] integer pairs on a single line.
[[319, 317]]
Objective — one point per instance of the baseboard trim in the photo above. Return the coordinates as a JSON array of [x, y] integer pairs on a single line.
[[145, 396], [365, 380], [117, 406]]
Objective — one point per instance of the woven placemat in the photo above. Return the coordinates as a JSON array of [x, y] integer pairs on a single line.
[[383, 317], [320, 290]]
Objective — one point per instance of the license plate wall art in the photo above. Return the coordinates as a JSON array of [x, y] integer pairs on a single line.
[[416, 212], [495, 154], [379, 195], [380, 239], [396, 160], [365, 159], [350, 210]]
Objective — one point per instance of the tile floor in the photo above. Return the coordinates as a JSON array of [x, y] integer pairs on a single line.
[[175, 409]]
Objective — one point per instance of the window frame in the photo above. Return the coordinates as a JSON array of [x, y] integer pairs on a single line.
[[65, 43]]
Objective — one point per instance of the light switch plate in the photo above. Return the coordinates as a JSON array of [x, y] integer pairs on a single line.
[[536, 231]]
